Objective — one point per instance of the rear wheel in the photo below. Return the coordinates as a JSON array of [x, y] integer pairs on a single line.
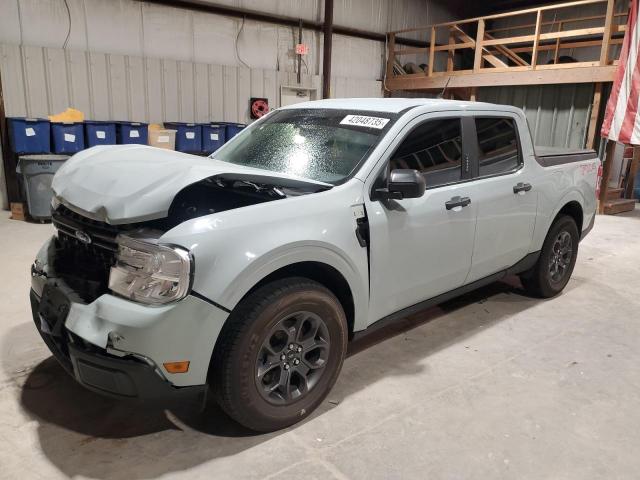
[[279, 354], [557, 259]]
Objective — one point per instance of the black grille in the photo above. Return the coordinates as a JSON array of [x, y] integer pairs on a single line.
[[84, 265]]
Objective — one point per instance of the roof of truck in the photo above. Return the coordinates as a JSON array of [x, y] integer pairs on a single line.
[[396, 105]]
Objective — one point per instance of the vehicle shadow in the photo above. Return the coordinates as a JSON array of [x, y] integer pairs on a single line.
[[83, 433]]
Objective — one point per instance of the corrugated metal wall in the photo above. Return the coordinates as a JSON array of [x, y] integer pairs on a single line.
[[39, 81], [558, 115]]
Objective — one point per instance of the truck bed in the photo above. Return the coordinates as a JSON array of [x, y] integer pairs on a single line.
[[552, 156]]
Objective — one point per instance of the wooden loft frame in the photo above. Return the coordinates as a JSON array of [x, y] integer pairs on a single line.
[[495, 59]]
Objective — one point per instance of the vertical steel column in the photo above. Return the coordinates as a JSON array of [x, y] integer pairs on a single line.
[[327, 29]]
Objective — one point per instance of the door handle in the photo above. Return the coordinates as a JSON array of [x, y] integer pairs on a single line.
[[522, 187], [457, 202]]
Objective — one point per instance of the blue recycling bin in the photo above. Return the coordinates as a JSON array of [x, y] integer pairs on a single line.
[[67, 137], [132, 132], [99, 133], [213, 137], [233, 129], [188, 136], [29, 135]]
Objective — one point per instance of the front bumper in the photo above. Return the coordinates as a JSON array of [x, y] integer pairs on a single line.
[[96, 369], [117, 346]]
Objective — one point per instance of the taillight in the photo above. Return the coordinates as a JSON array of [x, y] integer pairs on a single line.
[[598, 181]]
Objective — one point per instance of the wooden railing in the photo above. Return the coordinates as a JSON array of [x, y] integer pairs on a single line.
[[482, 47]]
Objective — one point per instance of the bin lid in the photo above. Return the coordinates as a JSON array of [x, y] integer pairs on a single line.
[[44, 157]]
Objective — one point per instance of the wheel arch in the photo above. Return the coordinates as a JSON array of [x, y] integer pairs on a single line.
[[574, 210], [323, 273]]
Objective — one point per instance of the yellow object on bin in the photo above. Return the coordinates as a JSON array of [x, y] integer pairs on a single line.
[[70, 115]]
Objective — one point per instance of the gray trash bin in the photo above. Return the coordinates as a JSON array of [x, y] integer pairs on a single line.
[[37, 172]]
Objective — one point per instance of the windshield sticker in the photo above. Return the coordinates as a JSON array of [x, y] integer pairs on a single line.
[[364, 121]]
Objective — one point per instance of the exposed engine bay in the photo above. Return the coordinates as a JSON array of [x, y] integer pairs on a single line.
[[85, 249]]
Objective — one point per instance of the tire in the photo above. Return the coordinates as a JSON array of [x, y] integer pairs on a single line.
[[552, 271], [258, 378]]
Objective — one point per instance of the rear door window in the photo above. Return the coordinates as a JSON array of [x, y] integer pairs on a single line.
[[498, 149]]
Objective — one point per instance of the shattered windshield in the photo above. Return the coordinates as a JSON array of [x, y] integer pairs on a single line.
[[321, 144]]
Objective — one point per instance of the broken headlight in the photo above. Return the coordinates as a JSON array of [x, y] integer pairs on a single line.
[[149, 273]]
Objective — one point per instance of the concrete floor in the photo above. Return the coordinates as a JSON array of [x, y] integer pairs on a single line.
[[493, 385]]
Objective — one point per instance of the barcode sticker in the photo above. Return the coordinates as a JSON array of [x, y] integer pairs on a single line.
[[69, 137], [134, 134], [29, 132], [190, 135], [101, 134], [364, 121], [214, 136], [163, 138]]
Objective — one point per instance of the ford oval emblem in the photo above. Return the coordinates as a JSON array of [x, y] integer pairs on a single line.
[[83, 237]]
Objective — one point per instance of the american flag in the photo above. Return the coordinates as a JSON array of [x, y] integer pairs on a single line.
[[621, 121]]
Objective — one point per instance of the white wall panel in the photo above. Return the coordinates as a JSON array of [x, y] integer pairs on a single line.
[[78, 70], [118, 91], [35, 81], [13, 83], [99, 87], [57, 84]]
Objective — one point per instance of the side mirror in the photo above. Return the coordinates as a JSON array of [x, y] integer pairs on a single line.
[[403, 183]]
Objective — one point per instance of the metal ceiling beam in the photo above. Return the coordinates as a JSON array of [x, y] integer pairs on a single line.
[[202, 6]]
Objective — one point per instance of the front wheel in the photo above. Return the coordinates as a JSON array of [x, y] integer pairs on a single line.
[[553, 270], [279, 354]]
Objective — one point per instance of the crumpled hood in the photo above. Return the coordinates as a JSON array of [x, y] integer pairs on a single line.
[[134, 183]]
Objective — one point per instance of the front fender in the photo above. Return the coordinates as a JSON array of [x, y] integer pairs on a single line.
[[289, 254]]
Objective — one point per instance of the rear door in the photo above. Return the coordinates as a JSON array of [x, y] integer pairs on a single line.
[[419, 248], [504, 193]]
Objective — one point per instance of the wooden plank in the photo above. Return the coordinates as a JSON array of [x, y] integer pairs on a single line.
[[534, 52], [495, 61], [633, 172], [508, 52], [491, 78], [613, 207], [563, 46], [580, 32], [454, 46], [477, 61], [432, 46], [391, 58], [508, 40], [606, 173], [593, 118], [606, 36], [452, 51]]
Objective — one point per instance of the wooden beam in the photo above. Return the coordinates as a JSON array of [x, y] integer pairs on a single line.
[[490, 78], [564, 46], [432, 45], [593, 118], [633, 172], [495, 61], [477, 61], [606, 35], [536, 39], [606, 174], [391, 58], [452, 51]]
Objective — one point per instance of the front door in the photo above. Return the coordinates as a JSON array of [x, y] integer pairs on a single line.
[[419, 248]]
